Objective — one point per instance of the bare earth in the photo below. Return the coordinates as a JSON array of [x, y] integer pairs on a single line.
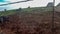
[[32, 23]]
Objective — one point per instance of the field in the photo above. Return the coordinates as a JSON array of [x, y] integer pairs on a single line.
[[32, 21], [10, 12]]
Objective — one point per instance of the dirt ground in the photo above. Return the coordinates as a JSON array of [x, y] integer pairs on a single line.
[[32, 23]]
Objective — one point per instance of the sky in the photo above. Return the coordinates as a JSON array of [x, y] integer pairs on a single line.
[[34, 3]]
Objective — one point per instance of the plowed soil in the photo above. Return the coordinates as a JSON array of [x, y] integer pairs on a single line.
[[32, 23]]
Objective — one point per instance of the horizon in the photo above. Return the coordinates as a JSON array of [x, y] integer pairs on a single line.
[[33, 3]]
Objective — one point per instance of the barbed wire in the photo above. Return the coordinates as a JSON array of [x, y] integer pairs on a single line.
[[14, 2]]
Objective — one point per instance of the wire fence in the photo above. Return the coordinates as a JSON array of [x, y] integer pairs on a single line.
[[29, 0], [14, 2]]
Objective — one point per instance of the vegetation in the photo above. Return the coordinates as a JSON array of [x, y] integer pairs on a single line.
[[41, 9], [31, 21]]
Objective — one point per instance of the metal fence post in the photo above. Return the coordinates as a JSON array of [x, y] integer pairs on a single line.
[[53, 31]]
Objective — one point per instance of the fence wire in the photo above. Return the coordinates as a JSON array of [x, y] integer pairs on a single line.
[[52, 12], [15, 2]]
